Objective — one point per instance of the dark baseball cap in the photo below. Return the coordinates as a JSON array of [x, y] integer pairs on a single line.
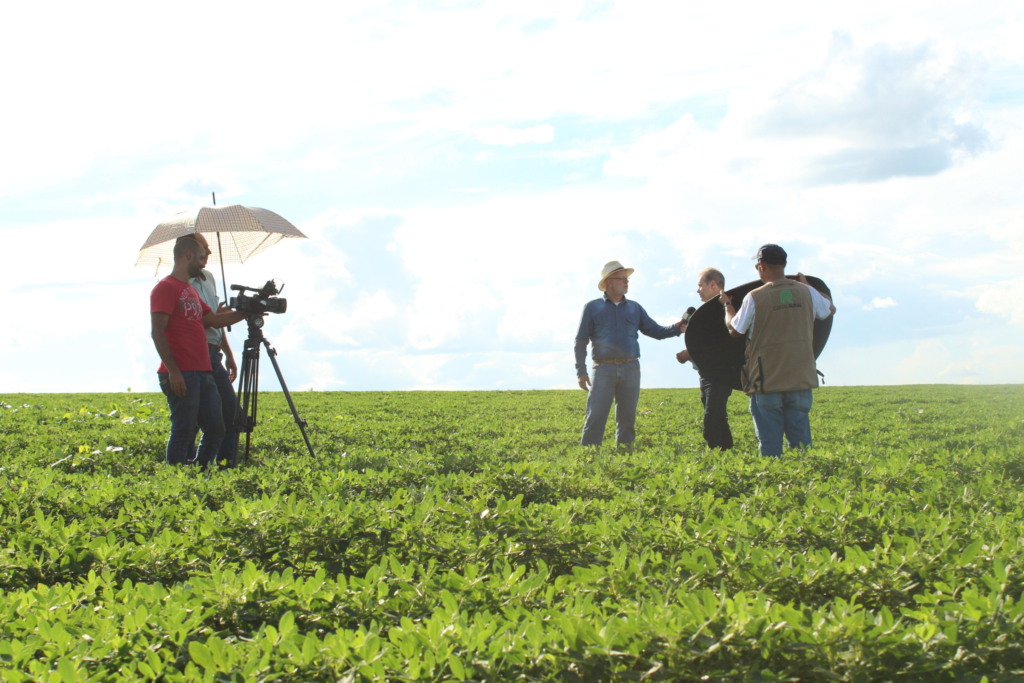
[[772, 254]]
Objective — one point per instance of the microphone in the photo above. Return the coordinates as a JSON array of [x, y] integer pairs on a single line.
[[689, 312]]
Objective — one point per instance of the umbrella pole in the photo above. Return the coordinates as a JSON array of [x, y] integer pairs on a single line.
[[223, 278], [220, 253]]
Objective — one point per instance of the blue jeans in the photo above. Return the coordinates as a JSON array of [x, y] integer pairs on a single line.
[[228, 451], [198, 409], [612, 381], [784, 412]]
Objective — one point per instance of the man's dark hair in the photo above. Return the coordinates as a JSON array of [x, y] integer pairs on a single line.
[[185, 244]]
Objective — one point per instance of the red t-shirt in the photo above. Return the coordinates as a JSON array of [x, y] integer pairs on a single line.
[[185, 331]]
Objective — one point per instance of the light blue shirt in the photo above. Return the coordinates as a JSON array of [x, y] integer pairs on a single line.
[[613, 330], [207, 290]]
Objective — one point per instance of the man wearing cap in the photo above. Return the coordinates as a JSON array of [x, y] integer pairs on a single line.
[[714, 393], [206, 286], [779, 372], [611, 324], [178, 318]]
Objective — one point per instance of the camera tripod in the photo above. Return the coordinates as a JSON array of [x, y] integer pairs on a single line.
[[248, 384]]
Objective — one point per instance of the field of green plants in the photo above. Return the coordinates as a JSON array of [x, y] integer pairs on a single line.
[[464, 536]]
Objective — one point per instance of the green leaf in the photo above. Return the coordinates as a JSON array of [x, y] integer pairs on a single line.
[[201, 655], [456, 667], [67, 671], [286, 625]]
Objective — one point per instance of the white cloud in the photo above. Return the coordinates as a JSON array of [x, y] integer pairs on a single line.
[[679, 148], [880, 302], [424, 372], [999, 299], [959, 361], [684, 139], [502, 135]]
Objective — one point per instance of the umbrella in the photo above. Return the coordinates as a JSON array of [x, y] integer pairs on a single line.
[[242, 232]]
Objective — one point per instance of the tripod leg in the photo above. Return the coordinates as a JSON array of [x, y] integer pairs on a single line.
[[245, 418], [272, 353]]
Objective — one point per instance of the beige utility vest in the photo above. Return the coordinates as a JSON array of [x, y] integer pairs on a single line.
[[780, 348]]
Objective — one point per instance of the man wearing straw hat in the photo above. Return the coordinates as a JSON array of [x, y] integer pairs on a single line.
[[611, 324]]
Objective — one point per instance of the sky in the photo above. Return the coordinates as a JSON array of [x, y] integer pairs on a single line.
[[463, 171]]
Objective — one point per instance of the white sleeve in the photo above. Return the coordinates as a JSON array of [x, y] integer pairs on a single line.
[[822, 306], [743, 321]]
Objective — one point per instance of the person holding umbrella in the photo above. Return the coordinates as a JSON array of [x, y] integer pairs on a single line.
[[224, 373], [178, 318]]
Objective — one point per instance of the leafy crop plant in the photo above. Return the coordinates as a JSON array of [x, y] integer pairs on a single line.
[[465, 536]]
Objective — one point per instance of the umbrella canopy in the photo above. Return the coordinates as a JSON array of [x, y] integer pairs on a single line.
[[242, 232]]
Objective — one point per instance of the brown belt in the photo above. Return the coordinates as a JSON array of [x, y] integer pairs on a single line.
[[614, 360]]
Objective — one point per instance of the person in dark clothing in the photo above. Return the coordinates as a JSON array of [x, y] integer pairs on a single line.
[[714, 395]]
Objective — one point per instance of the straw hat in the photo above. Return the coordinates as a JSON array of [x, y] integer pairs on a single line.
[[610, 268]]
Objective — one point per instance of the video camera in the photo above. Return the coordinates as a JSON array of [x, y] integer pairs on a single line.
[[263, 301]]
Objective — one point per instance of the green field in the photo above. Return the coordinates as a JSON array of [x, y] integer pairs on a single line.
[[464, 536]]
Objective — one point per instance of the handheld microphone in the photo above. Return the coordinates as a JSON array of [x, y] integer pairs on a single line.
[[689, 312]]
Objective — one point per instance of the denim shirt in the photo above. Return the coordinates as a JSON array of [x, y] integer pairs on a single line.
[[613, 331]]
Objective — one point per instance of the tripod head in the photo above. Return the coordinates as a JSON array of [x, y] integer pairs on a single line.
[[255, 322]]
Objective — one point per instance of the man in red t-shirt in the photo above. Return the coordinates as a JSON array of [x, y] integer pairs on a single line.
[[178, 322]]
